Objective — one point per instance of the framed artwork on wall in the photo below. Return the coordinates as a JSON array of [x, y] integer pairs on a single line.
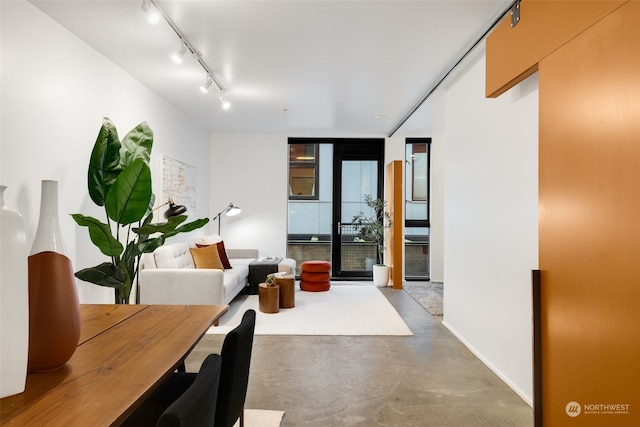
[[178, 183]]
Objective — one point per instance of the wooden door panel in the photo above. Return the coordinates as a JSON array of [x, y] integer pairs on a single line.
[[590, 224], [514, 53]]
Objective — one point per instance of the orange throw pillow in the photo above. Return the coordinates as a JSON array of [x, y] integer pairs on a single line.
[[222, 252], [206, 257]]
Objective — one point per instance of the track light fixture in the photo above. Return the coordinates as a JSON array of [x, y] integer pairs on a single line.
[[205, 87], [152, 8], [152, 14], [225, 104], [179, 56]]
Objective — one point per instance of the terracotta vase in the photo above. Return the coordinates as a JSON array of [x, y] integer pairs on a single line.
[[14, 301], [54, 311]]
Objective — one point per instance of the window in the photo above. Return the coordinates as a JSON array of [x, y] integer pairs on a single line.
[[303, 171], [417, 181], [416, 224], [418, 172]]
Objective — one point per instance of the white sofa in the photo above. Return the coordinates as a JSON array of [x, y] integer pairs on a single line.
[[168, 275]]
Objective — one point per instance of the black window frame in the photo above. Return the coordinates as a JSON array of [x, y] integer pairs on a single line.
[[315, 164], [422, 222]]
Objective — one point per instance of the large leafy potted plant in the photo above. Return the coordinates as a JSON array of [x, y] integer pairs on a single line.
[[371, 228], [119, 179]]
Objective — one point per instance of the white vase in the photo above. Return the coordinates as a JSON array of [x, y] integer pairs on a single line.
[[380, 275], [48, 237], [14, 300]]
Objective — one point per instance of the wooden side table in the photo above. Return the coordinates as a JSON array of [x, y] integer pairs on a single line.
[[259, 270], [287, 290], [268, 298]]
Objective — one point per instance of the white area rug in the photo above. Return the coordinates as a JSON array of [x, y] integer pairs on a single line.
[[342, 310], [261, 418]]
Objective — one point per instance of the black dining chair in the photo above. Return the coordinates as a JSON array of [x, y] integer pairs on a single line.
[[234, 378], [184, 400]]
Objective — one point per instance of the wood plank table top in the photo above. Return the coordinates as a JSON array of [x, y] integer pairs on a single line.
[[125, 351]]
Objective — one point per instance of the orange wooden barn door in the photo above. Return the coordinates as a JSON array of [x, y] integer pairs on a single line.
[[589, 197], [590, 225]]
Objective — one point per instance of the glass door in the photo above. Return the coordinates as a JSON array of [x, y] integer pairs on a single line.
[[358, 172], [328, 180]]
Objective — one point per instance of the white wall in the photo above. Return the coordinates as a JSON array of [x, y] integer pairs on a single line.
[[436, 196], [55, 91], [250, 170], [491, 212], [436, 214]]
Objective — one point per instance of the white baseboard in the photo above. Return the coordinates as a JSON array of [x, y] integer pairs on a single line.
[[524, 396]]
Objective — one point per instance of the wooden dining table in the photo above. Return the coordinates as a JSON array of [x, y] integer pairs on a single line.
[[124, 353]]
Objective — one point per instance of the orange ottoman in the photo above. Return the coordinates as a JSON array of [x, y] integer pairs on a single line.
[[315, 276]]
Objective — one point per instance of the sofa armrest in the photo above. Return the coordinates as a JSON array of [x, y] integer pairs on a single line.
[[242, 253], [188, 286]]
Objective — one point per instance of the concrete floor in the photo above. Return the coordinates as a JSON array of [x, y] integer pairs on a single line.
[[428, 379]]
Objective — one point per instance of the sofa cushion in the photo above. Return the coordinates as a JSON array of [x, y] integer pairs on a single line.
[[221, 251], [230, 281], [208, 240], [206, 257], [223, 254], [238, 262], [175, 255], [242, 270]]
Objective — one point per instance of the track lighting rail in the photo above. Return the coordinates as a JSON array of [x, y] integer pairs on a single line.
[[513, 8], [196, 54]]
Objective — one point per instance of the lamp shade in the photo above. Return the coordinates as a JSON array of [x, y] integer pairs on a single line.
[[174, 210], [233, 210], [230, 210]]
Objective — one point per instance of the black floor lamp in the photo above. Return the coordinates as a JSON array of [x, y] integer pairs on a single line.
[[173, 210], [230, 210]]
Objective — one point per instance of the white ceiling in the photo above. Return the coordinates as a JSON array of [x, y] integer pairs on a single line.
[[299, 67]]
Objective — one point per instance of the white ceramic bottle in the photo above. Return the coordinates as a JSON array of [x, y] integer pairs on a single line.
[[14, 300], [48, 236]]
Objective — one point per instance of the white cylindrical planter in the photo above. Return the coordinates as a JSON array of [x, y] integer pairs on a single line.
[[14, 300], [380, 275]]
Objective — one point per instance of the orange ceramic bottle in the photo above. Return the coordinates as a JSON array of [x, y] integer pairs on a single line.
[[54, 311]]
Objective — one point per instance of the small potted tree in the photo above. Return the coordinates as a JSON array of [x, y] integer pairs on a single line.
[[371, 228]]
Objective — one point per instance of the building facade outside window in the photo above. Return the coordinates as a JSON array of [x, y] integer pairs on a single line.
[[417, 160], [303, 171], [309, 213]]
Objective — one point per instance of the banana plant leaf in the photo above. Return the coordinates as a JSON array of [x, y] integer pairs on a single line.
[[128, 198], [100, 235], [104, 164], [164, 227], [136, 144], [105, 274], [168, 229]]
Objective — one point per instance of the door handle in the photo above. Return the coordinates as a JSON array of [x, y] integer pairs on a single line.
[[339, 228]]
